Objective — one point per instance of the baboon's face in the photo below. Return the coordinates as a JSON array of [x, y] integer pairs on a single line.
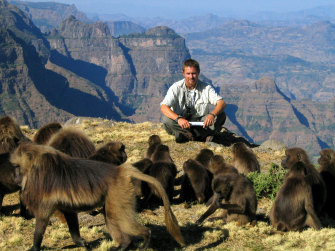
[[115, 152], [327, 156], [154, 139], [293, 155]]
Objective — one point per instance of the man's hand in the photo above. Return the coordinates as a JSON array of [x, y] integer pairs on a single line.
[[184, 123], [209, 120]]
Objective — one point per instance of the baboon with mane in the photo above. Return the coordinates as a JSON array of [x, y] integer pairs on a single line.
[[10, 134], [52, 180], [296, 154], [112, 152], [327, 172], [293, 208], [10, 137], [72, 142], [43, 134]]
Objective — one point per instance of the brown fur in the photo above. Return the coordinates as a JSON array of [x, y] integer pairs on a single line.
[[165, 173], [112, 152], [204, 157], [141, 188], [7, 177], [72, 142], [218, 165], [161, 153], [43, 134], [245, 160], [196, 182], [327, 172], [296, 154], [154, 141], [163, 169], [239, 195], [10, 134], [52, 180], [293, 207]]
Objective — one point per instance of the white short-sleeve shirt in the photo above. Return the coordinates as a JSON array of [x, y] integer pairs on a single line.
[[204, 96]]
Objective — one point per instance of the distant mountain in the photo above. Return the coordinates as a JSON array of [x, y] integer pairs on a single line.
[[300, 59], [30, 92], [48, 15], [181, 26], [261, 111], [118, 28]]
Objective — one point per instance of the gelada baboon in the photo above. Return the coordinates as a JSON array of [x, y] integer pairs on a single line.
[[244, 159], [196, 184], [72, 142], [161, 153], [52, 180], [164, 170], [8, 183], [239, 195], [43, 134], [204, 157], [217, 165], [154, 141], [296, 154], [293, 207], [327, 172], [142, 188], [10, 134], [112, 152]]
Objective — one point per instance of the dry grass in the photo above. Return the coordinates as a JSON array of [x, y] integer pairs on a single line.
[[214, 234]]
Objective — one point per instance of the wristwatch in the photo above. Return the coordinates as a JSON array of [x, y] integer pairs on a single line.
[[179, 117], [212, 114]]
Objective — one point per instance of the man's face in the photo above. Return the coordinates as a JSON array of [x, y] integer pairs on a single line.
[[191, 76]]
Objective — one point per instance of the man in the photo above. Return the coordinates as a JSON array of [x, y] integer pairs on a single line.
[[188, 100]]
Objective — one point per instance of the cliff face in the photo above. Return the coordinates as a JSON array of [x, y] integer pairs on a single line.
[[49, 15], [261, 112], [118, 28], [30, 92], [137, 68]]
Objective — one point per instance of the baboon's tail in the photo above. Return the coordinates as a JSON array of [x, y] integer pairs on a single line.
[[170, 219]]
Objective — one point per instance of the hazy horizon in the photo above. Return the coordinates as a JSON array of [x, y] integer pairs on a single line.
[[181, 9]]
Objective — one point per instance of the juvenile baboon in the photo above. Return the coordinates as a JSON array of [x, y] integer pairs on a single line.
[[244, 159], [239, 195], [43, 134], [196, 184], [72, 142], [112, 152], [293, 207], [154, 141], [165, 173], [327, 172], [296, 154], [204, 157], [164, 170], [142, 188], [161, 153], [217, 165], [10, 134], [52, 180]]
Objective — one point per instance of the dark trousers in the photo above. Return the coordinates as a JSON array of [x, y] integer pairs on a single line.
[[198, 132]]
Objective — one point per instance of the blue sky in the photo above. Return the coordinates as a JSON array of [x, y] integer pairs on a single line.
[[186, 8]]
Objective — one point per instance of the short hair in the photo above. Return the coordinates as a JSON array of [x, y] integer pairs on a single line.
[[191, 63]]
